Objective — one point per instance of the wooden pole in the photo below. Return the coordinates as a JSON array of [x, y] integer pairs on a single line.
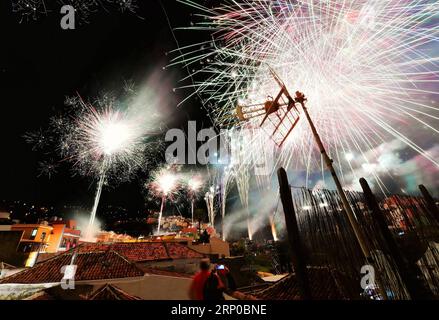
[[297, 255], [394, 251], [328, 161], [300, 98], [431, 205]]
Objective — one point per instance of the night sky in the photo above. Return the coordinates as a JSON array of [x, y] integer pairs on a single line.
[[41, 64]]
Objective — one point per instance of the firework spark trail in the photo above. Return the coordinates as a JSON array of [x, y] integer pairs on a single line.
[[236, 168], [162, 206], [210, 203], [104, 140], [89, 230], [39, 139], [164, 185], [47, 168], [240, 160], [113, 131], [33, 9], [109, 140], [213, 184], [226, 177], [226, 182], [29, 9], [194, 185], [366, 66], [212, 188], [272, 219]]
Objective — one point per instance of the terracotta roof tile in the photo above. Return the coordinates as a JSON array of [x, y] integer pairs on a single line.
[[111, 292], [142, 251], [180, 251], [90, 266], [145, 251]]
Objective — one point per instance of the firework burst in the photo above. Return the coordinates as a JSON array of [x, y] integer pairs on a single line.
[[33, 9], [109, 140], [106, 137], [225, 185], [164, 185], [29, 9], [194, 186], [369, 69], [105, 142], [39, 139], [211, 204]]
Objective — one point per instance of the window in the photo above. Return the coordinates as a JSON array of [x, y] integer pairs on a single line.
[[43, 236], [33, 234], [25, 248]]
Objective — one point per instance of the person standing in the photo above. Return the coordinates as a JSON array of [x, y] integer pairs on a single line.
[[227, 279], [196, 290], [214, 286]]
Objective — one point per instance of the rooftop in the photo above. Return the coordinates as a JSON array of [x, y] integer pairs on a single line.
[[144, 251], [111, 292], [97, 261], [167, 273], [90, 266]]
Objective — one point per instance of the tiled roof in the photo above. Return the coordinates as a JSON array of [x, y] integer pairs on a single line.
[[145, 251], [325, 284], [167, 273], [142, 251], [180, 251], [90, 266], [43, 256], [111, 292]]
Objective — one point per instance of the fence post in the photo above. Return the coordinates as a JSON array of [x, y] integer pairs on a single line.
[[297, 256], [394, 250], [431, 205]]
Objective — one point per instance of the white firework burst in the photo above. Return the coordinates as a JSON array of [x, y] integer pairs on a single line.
[[369, 69], [33, 9]]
